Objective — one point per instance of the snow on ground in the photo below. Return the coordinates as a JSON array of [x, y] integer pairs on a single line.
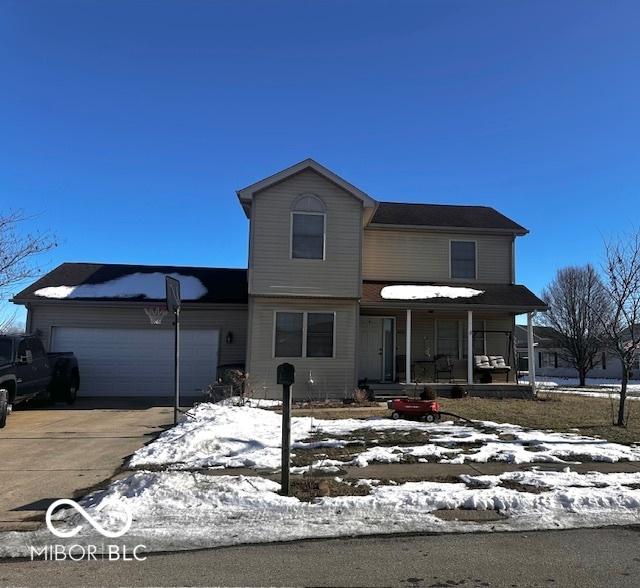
[[251, 402], [589, 394], [183, 510], [145, 285], [407, 292], [596, 387], [239, 436]]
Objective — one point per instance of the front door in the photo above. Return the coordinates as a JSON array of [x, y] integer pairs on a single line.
[[376, 349]]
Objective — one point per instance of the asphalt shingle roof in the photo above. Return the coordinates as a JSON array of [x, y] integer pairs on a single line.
[[224, 285], [512, 296], [445, 216], [543, 336]]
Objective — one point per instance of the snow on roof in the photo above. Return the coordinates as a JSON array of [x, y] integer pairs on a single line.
[[145, 285], [404, 292]]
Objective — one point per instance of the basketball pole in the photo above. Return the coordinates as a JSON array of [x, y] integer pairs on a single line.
[[176, 406], [172, 294]]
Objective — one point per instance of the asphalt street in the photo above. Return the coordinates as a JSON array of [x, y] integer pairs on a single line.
[[583, 558]]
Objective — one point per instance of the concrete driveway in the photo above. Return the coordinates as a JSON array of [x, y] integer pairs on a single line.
[[49, 453]]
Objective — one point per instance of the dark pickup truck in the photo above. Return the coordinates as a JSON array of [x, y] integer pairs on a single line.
[[26, 372]]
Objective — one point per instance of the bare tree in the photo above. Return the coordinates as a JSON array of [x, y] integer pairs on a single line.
[[9, 324], [18, 251], [576, 299], [622, 282]]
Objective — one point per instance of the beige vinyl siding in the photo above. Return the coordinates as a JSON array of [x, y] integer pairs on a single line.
[[332, 376], [420, 255], [227, 318], [273, 272]]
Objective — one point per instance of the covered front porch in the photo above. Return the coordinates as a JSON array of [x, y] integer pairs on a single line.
[[441, 343]]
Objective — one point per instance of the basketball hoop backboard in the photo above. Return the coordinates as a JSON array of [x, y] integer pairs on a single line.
[[173, 294]]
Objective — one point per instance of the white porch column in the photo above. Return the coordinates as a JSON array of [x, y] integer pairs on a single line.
[[408, 348], [531, 352], [469, 347]]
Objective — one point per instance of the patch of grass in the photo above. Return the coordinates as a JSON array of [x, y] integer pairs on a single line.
[[307, 488], [590, 416], [370, 438], [348, 406], [305, 457], [439, 478], [392, 437], [362, 439], [520, 487], [327, 413]]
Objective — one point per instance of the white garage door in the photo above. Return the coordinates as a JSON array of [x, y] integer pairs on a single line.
[[139, 362]]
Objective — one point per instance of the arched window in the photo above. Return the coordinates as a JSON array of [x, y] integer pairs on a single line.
[[308, 227], [308, 203]]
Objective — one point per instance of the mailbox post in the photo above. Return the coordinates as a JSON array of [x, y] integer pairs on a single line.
[[286, 377]]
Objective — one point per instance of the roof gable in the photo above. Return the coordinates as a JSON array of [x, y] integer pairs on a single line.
[[245, 195]]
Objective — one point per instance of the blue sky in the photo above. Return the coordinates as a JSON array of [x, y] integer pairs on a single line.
[[128, 126]]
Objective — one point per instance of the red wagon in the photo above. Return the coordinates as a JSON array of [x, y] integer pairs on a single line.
[[405, 408]]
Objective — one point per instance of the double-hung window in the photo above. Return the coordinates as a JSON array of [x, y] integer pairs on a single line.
[[308, 227], [307, 235], [463, 259], [289, 327], [304, 334]]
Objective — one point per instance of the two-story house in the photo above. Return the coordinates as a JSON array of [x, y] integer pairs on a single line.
[[345, 287]]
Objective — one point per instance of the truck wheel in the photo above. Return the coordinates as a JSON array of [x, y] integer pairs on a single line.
[[72, 390], [4, 407], [429, 417], [395, 415]]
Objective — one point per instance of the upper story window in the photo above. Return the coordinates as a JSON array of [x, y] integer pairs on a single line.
[[308, 228], [463, 259]]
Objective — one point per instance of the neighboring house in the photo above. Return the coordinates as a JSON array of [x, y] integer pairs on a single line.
[[339, 284], [550, 360]]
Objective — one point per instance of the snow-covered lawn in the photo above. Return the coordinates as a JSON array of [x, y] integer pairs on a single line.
[[177, 509], [183, 510], [219, 436]]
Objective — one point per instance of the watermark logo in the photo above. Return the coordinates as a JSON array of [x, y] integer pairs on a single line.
[[73, 532], [78, 552]]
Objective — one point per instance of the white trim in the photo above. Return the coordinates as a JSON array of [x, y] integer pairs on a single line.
[[513, 260], [484, 337], [469, 347], [245, 195], [475, 242], [324, 235], [407, 349], [304, 314], [530, 352], [395, 347]]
